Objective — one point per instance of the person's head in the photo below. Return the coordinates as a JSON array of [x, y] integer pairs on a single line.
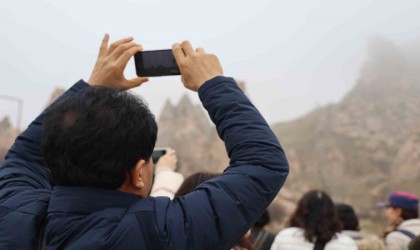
[[400, 206], [193, 181], [316, 215], [348, 217], [100, 137]]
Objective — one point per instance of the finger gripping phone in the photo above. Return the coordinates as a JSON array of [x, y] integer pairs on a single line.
[[156, 63]]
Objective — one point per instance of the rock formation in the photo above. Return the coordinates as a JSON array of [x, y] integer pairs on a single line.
[[368, 144], [7, 136]]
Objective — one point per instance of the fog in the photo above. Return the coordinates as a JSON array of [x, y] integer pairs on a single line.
[[293, 55]]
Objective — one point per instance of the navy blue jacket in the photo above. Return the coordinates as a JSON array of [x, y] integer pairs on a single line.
[[215, 216]]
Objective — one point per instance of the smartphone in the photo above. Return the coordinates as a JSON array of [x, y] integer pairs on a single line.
[[156, 63], [157, 153]]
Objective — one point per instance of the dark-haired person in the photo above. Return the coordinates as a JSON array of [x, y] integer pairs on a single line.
[[260, 238], [191, 183], [89, 189], [349, 221], [314, 225], [351, 228], [403, 217]]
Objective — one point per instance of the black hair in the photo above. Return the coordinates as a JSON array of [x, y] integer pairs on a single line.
[[193, 181], [408, 214], [347, 217], [263, 220], [96, 137], [317, 216]]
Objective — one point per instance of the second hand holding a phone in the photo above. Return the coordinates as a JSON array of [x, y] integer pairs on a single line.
[[168, 160]]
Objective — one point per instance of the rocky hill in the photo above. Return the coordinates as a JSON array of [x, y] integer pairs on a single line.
[[185, 128], [368, 144]]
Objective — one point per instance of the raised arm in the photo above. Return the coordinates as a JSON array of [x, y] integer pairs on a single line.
[[24, 167], [221, 210]]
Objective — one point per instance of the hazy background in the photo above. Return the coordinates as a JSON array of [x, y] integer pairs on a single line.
[[293, 55]]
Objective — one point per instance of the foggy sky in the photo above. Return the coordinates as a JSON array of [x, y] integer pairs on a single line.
[[293, 55]]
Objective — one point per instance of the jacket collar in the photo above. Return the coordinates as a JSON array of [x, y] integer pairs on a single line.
[[409, 223], [86, 200]]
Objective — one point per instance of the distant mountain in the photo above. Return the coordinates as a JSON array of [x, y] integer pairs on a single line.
[[368, 144], [185, 128]]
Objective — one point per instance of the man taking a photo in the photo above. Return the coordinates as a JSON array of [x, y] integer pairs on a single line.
[[80, 175]]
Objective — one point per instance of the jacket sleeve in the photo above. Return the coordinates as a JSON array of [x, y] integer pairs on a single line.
[[221, 210], [24, 167]]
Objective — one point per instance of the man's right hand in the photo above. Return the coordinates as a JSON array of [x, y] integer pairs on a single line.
[[196, 66], [111, 63]]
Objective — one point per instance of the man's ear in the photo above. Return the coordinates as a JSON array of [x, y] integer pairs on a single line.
[[137, 176]]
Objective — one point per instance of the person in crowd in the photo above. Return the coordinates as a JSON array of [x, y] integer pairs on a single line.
[[314, 225], [351, 228], [191, 183], [261, 239], [166, 181], [401, 210], [79, 177], [349, 221]]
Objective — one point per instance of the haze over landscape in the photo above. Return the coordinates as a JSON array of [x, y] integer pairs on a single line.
[[293, 55]]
